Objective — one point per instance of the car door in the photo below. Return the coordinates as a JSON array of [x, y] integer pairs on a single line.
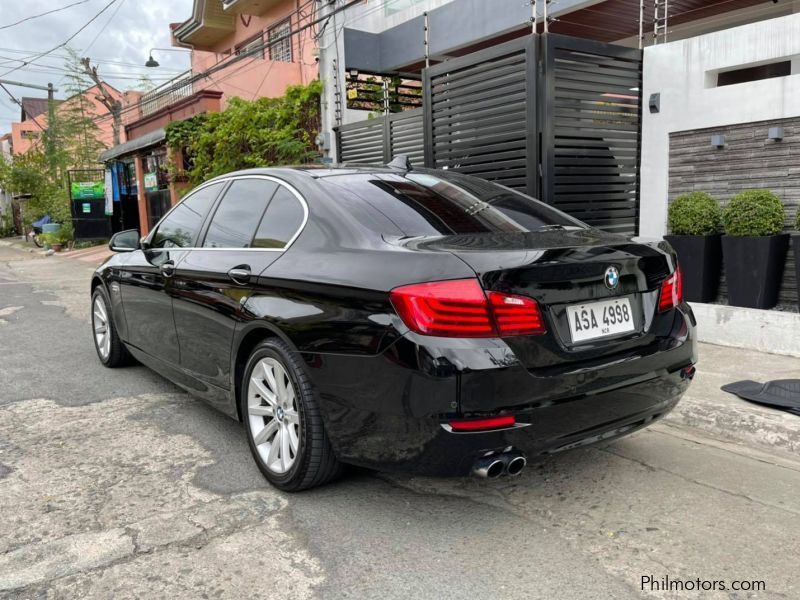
[[213, 281], [146, 279]]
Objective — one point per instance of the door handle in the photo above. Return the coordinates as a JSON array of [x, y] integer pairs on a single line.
[[240, 276], [168, 269]]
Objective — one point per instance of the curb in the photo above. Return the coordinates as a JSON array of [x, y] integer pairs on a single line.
[[706, 408], [773, 331], [753, 426]]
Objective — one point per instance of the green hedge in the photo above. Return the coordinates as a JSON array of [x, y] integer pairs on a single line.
[[754, 213], [797, 220], [695, 213]]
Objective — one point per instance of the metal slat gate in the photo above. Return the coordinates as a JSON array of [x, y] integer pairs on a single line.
[[375, 141], [591, 133], [553, 116], [480, 114]]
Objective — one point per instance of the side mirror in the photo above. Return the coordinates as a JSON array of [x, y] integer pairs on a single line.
[[125, 241]]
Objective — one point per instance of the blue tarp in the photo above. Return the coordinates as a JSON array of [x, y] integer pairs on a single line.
[[43, 221]]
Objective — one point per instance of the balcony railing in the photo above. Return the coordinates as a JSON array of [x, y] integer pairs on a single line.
[[167, 94]]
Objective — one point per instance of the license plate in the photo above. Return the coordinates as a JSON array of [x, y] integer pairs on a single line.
[[600, 319]]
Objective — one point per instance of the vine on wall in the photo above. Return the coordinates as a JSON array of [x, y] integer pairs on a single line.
[[247, 134]]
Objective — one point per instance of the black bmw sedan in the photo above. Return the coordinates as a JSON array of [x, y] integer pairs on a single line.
[[397, 319]]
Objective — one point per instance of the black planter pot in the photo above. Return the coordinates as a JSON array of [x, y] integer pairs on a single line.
[[796, 244], [754, 268], [701, 263]]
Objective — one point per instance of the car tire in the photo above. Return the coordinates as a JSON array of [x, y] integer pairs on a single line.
[[109, 347], [285, 416]]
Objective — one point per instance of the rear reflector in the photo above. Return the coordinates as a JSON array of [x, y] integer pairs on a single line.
[[671, 291], [484, 424], [460, 308]]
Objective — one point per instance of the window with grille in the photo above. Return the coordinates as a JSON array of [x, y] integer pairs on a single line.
[[280, 41], [257, 41]]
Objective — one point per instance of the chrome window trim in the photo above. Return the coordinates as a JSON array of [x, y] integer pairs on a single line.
[[226, 181]]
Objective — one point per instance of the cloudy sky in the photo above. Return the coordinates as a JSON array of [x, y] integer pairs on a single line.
[[122, 34]]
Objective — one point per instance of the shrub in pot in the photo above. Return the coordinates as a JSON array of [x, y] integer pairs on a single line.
[[695, 222], [754, 248]]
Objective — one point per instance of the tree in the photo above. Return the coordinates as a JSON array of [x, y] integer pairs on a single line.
[[77, 135], [106, 98], [29, 174], [143, 84], [71, 142]]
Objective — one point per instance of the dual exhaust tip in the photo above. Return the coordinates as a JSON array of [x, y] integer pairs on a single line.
[[508, 463]]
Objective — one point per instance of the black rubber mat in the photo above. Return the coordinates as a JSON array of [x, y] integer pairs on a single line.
[[783, 394]]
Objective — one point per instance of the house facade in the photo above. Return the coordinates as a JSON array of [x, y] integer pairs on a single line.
[[706, 68], [27, 133], [238, 48]]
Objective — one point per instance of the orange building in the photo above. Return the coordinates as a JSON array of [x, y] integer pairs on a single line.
[[265, 48], [27, 133]]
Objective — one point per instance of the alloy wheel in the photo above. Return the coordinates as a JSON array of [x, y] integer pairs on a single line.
[[273, 415], [102, 330]]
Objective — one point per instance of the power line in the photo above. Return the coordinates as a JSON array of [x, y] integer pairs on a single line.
[[108, 61], [65, 42], [49, 12], [14, 99], [60, 70], [255, 49], [103, 28], [250, 53]]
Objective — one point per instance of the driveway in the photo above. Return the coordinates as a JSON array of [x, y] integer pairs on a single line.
[[115, 484]]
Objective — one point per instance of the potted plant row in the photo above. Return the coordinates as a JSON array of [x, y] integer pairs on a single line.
[[754, 248], [695, 220], [796, 244]]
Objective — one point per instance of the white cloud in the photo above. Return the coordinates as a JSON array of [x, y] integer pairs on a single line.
[[137, 26]]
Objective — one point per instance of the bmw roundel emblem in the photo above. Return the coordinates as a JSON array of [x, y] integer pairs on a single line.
[[611, 278]]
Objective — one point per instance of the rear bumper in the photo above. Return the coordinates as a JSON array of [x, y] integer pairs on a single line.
[[386, 411]]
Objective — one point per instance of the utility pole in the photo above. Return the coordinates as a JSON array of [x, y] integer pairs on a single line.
[[113, 105], [51, 113], [49, 89], [50, 108]]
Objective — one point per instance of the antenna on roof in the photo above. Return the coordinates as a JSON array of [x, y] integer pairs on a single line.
[[401, 162]]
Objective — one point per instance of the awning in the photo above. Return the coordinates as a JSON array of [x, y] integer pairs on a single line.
[[148, 139]]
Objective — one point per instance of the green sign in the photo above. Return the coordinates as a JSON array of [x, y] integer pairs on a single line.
[[87, 207], [151, 181], [88, 190]]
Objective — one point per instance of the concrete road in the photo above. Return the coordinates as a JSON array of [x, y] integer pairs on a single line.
[[115, 484]]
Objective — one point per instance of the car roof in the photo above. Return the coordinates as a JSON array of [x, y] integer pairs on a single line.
[[314, 171]]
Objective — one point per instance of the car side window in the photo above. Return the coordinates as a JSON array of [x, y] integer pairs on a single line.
[[238, 213], [180, 228], [280, 223]]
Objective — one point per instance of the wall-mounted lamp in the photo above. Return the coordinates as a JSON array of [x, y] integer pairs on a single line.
[[718, 141], [775, 133], [654, 103]]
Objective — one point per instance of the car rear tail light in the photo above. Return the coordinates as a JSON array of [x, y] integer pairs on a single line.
[[445, 308], [460, 308], [516, 315], [484, 424], [671, 291]]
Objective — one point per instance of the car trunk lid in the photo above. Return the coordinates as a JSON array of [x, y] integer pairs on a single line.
[[560, 268]]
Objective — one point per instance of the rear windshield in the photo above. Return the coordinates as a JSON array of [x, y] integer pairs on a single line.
[[424, 204]]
